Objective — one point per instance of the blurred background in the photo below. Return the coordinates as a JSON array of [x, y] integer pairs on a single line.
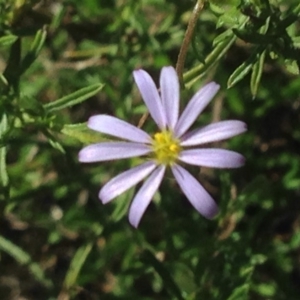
[[57, 240]]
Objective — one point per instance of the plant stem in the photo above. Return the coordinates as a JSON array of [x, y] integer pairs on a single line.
[[187, 38]]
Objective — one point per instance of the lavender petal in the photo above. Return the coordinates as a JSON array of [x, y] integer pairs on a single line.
[[195, 193], [195, 106], [150, 96], [145, 195], [169, 86], [124, 181], [111, 151], [118, 128], [213, 132], [213, 158]]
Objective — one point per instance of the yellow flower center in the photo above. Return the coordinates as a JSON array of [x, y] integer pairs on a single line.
[[165, 147]]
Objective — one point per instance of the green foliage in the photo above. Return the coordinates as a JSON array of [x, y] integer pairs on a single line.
[[63, 61], [74, 98], [23, 258], [76, 264], [3, 169], [261, 25]]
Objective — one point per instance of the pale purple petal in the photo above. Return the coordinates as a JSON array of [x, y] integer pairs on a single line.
[[118, 128], [195, 193], [151, 97], [169, 90], [145, 195], [213, 158], [124, 181], [195, 106], [213, 133], [111, 151]]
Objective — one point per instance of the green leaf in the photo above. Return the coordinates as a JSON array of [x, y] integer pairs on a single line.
[[292, 66], [221, 37], [212, 59], [169, 282], [184, 277], [296, 10], [217, 53], [259, 64], [255, 37], [56, 145], [3, 79], [257, 73], [122, 206], [82, 133], [3, 171], [53, 141], [240, 72], [7, 40], [221, 6], [15, 251], [76, 265], [12, 71], [296, 41], [198, 48], [292, 17], [240, 292], [258, 259], [74, 98], [266, 290], [24, 258], [35, 49]]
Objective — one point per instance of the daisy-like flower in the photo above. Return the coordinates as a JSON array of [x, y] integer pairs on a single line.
[[169, 146]]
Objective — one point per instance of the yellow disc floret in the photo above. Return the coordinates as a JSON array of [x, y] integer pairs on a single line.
[[165, 147]]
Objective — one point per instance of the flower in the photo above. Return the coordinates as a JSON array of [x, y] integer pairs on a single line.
[[168, 147]]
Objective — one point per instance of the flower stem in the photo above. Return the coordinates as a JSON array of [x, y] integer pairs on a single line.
[[187, 38]]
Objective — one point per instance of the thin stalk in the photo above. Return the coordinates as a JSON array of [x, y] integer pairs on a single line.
[[187, 38]]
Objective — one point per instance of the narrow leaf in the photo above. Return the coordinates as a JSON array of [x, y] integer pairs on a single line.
[[23, 258], [53, 141], [76, 265], [3, 171], [239, 73], [256, 74], [213, 58], [7, 40], [3, 79], [12, 71], [217, 53], [35, 49], [165, 275], [74, 98], [255, 37], [82, 133], [221, 37], [240, 292], [56, 145]]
